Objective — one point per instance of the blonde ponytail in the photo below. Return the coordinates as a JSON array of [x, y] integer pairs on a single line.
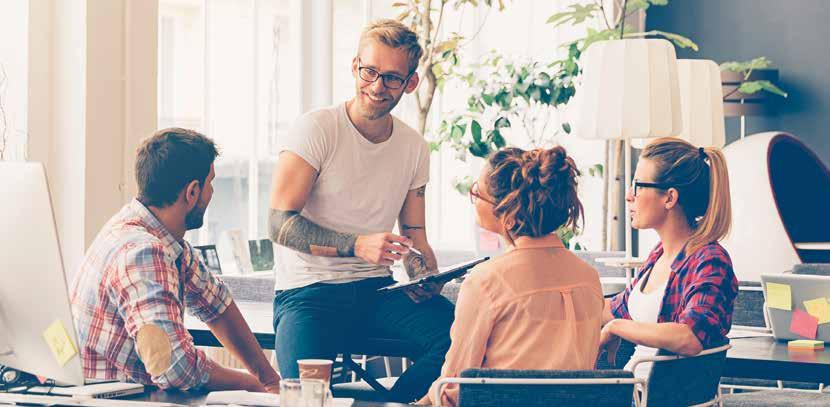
[[702, 181], [717, 220]]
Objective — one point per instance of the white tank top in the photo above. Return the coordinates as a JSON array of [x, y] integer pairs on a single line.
[[645, 308]]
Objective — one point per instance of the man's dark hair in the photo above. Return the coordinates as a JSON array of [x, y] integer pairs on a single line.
[[169, 160]]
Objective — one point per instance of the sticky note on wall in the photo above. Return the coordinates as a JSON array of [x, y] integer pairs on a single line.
[[818, 308], [804, 324], [779, 296], [59, 342]]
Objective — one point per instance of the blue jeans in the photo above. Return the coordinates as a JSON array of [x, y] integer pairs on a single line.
[[317, 321]]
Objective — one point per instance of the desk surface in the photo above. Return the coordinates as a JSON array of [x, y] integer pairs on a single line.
[[758, 358], [767, 358], [198, 398]]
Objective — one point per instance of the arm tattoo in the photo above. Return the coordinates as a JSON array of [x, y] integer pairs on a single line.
[[411, 227], [292, 230], [421, 192], [416, 266]]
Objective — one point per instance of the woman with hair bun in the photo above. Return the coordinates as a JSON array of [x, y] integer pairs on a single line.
[[681, 300], [537, 306]]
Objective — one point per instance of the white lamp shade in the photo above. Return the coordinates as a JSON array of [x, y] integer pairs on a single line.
[[701, 103], [629, 89]]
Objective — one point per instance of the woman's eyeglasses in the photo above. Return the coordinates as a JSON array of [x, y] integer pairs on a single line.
[[636, 185], [475, 195]]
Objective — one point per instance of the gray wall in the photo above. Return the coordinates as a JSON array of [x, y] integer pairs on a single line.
[[794, 34]]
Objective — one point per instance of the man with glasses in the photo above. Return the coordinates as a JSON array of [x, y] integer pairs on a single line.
[[345, 174]]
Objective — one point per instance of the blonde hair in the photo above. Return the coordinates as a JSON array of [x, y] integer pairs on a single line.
[[394, 34], [702, 181]]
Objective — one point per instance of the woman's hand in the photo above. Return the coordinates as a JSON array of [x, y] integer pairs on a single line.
[[609, 342]]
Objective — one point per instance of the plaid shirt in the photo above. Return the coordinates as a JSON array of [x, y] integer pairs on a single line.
[[136, 273], [700, 293]]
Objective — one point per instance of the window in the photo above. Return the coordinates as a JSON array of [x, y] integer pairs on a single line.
[[226, 69], [14, 32], [231, 69]]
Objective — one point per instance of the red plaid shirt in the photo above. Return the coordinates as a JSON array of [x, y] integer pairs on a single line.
[[700, 293], [134, 274]]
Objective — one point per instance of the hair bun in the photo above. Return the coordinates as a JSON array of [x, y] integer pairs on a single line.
[[530, 165]]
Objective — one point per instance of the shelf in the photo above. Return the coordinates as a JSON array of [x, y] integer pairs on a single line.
[[812, 245]]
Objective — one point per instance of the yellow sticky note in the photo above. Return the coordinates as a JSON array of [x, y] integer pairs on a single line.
[[59, 341], [818, 308], [779, 296]]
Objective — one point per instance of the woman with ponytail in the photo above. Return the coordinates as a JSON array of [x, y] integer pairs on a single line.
[[538, 306], [681, 299]]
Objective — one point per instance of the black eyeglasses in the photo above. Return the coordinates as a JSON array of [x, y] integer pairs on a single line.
[[635, 185], [390, 81]]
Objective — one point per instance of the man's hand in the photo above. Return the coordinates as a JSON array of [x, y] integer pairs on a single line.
[[381, 248], [422, 292], [271, 382], [609, 342]]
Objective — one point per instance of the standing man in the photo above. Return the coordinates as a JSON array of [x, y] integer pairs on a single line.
[[345, 174], [140, 274]]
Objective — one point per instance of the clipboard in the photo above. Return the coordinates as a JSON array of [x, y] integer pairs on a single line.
[[442, 276]]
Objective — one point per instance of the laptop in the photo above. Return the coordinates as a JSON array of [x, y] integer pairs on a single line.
[[802, 288], [37, 331]]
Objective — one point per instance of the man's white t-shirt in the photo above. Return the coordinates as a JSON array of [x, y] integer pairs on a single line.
[[360, 189]]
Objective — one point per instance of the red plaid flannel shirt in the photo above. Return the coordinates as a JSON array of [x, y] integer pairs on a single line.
[[700, 293], [136, 273]]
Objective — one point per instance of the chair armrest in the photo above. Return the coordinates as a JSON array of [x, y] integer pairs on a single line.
[[493, 380], [650, 359]]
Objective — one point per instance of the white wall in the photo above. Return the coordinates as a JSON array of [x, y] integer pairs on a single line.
[[87, 110]]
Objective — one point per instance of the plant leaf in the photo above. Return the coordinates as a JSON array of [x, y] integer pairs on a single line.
[[475, 130], [751, 87], [677, 39], [576, 15]]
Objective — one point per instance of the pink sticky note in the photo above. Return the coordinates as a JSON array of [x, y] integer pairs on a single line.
[[804, 324]]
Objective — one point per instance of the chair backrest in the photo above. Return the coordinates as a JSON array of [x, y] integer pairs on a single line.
[[531, 395], [749, 306], [685, 381]]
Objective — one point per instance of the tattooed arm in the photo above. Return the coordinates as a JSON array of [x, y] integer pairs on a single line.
[[412, 223], [292, 182]]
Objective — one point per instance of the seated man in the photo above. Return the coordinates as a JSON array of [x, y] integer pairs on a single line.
[[139, 274]]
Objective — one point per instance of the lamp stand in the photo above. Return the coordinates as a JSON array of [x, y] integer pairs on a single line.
[[743, 126]]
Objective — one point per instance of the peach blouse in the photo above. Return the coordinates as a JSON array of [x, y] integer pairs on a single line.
[[538, 306]]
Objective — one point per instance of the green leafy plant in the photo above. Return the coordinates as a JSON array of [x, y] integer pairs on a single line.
[[745, 68], [426, 17], [503, 91]]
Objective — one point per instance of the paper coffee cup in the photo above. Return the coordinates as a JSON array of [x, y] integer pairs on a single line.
[[315, 369]]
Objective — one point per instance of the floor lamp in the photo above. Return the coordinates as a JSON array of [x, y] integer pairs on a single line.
[[628, 90]]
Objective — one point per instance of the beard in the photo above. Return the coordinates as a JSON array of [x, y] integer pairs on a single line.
[[195, 218], [373, 112]]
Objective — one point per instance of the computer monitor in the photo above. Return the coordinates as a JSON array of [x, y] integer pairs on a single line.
[[33, 289]]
